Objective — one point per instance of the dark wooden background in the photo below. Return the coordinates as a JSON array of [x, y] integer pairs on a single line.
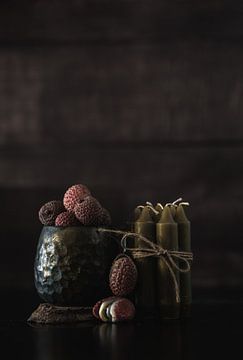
[[140, 100]]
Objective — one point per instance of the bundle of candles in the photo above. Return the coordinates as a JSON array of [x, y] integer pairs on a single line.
[[169, 228]]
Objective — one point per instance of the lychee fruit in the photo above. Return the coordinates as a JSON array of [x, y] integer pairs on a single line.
[[88, 212], [66, 219], [96, 309], [104, 314], [49, 211], [97, 306], [114, 309], [122, 310], [123, 276], [75, 194]]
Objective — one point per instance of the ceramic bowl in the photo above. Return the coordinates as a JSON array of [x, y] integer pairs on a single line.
[[72, 265]]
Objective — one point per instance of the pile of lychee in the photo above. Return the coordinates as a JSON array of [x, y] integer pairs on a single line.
[[122, 281], [78, 207]]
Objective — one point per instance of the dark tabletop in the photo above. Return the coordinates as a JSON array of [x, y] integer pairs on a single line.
[[213, 331]]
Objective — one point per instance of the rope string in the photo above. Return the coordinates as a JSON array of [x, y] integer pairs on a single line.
[[170, 257]]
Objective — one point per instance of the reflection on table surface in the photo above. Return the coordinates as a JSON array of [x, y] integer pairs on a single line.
[[212, 331], [113, 341]]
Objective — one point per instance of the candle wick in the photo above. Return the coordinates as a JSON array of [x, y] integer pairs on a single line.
[[149, 203], [153, 209], [176, 201], [168, 204], [160, 205], [184, 203]]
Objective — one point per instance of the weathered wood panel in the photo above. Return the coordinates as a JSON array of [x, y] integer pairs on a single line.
[[211, 179], [141, 101], [182, 93], [20, 91], [102, 20], [51, 166]]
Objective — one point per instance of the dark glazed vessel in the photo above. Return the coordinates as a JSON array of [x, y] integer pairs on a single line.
[[72, 265]]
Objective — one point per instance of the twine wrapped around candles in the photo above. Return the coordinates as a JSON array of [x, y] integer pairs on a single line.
[[153, 250]]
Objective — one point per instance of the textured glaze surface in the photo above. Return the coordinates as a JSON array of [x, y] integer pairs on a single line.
[[72, 265]]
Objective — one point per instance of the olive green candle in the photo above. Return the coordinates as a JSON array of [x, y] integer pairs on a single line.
[[145, 290], [159, 209], [173, 210], [173, 206], [167, 238], [184, 240], [136, 214], [153, 213]]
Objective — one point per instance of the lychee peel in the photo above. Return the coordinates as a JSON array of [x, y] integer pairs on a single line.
[[123, 276], [114, 309], [75, 194], [96, 307], [88, 212], [122, 310], [103, 309], [49, 211], [66, 219]]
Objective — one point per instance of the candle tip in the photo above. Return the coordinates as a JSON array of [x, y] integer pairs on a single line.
[[145, 215], [166, 216], [159, 208], [137, 211], [180, 215]]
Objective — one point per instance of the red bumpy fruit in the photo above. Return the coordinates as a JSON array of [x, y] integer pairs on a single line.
[[88, 211], [75, 194], [49, 211], [96, 307], [114, 309], [122, 310], [123, 276], [66, 219]]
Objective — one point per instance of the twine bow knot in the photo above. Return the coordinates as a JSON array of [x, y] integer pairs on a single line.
[[161, 252], [171, 258]]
